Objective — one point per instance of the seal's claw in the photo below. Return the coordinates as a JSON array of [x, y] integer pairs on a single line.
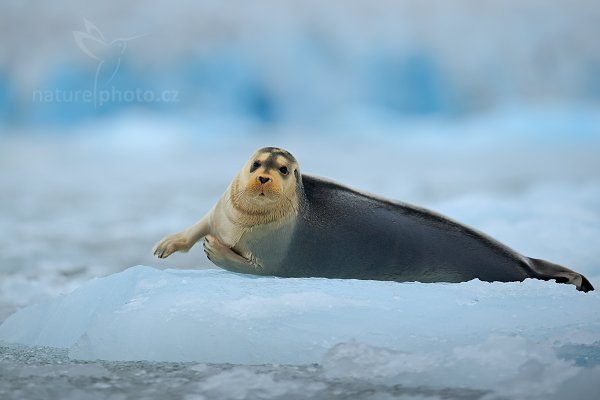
[[215, 250], [170, 244]]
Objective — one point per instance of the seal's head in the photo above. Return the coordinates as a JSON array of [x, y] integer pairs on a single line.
[[267, 183]]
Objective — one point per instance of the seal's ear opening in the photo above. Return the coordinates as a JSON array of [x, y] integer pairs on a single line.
[[296, 173]]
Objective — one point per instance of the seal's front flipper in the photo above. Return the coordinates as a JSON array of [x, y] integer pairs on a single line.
[[170, 244], [224, 257], [182, 241], [547, 270]]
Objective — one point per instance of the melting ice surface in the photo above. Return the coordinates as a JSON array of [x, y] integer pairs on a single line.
[[509, 338]]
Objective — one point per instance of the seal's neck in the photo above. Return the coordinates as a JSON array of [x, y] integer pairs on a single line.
[[249, 212]]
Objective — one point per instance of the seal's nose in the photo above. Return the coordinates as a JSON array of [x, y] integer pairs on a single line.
[[263, 179]]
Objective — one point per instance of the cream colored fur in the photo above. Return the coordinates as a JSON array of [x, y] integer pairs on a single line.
[[239, 211]]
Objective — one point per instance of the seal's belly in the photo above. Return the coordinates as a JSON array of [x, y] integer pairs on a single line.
[[266, 244]]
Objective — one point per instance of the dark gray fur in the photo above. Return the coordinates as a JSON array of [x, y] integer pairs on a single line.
[[343, 233]]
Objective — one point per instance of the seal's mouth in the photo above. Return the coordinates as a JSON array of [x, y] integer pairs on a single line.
[[263, 192], [263, 197]]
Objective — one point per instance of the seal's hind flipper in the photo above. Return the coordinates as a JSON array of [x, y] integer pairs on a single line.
[[586, 286], [546, 270]]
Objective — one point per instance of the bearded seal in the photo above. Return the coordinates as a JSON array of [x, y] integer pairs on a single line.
[[273, 220]]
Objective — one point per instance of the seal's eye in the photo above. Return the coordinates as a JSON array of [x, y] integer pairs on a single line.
[[284, 170], [255, 166]]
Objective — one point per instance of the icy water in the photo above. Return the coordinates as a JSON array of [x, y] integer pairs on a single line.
[[44, 373], [47, 373], [87, 206]]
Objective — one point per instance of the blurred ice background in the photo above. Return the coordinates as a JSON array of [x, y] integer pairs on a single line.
[[486, 111]]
